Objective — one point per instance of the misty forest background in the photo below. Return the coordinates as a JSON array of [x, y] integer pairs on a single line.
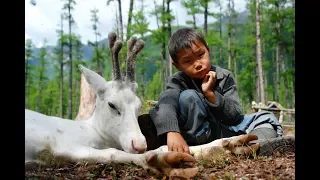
[[257, 45]]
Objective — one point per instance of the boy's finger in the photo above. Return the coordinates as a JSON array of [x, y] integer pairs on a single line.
[[186, 149], [180, 149], [175, 148]]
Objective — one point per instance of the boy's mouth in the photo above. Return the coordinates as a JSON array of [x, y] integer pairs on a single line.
[[201, 73]]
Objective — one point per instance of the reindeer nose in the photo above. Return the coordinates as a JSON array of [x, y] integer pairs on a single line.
[[139, 146]]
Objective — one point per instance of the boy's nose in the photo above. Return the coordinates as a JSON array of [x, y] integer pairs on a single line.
[[198, 65]]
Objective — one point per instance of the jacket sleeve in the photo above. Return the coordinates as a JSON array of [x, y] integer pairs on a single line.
[[164, 114], [227, 106]]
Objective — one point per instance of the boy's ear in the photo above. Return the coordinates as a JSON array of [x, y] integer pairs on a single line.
[[176, 65]]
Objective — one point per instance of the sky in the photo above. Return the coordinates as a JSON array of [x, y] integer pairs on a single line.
[[42, 20]]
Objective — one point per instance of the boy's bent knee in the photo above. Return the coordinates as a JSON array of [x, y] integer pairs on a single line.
[[189, 96], [264, 131]]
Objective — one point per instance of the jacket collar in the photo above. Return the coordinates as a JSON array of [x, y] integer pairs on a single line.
[[218, 71]]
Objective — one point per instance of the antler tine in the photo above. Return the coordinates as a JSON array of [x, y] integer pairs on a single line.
[[130, 45], [111, 40], [134, 47], [115, 46]]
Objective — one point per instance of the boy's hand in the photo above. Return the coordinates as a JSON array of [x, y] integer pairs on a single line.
[[208, 82], [177, 143]]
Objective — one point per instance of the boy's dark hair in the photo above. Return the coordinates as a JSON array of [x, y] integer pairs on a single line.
[[184, 38]]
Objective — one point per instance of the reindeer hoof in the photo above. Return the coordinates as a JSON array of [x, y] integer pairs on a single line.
[[173, 164], [242, 144]]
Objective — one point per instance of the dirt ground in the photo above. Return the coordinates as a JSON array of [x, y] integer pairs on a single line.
[[228, 168], [277, 167]]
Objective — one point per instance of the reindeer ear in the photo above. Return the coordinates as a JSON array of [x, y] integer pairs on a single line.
[[95, 81]]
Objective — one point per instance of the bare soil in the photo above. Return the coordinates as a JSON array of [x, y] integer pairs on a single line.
[[231, 167]]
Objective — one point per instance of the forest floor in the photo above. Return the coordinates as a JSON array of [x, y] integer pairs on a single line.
[[228, 168]]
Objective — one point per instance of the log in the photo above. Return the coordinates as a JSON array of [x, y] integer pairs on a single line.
[[87, 100]]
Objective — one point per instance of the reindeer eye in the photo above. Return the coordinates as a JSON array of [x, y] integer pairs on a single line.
[[113, 107]]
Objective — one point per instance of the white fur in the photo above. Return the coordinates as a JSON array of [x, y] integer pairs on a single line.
[[105, 129]]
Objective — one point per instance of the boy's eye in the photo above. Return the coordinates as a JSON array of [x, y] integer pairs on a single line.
[[188, 61]]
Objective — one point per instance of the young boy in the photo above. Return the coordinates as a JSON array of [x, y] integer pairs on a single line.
[[201, 103]]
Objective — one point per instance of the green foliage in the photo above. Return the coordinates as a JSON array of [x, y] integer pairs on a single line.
[[149, 67], [153, 92], [192, 6], [140, 24]]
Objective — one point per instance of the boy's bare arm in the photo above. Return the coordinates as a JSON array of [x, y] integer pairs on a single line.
[[176, 142]]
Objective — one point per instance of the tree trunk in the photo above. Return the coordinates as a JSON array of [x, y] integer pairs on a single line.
[[26, 83], [229, 50], [293, 55], [277, 74], [129, 20], [229, 37], [273, 79], [163, 48], [70, 65], [76, 98], [61, 71], [264, 52], [162, 75], [96, 48], [285, 80], [259, 60], [120, 20], [286, 88], [255, 71], [50, 109], [258, 94], [26, 72], [194, 21], [39, 95], [220, 32], [142, 86], [212, 52], [278, 53], [156, 14], [205, 25], [169, 35], [234, 51], [117, 22]]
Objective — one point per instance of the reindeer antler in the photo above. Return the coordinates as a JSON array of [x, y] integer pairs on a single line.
[[134, 47], [115, 46]]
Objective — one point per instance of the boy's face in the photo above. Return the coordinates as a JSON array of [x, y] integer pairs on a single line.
[[194, 61]]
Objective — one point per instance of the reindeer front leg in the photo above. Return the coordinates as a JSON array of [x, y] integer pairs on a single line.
[[172, 164], [239, 145]]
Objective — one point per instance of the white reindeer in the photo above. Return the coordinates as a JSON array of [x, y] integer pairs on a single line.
[[112, 133]]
